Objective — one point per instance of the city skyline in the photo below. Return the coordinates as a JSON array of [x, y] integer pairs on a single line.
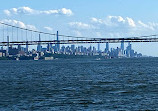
[[109, 19], [55, 50], [70, 51]]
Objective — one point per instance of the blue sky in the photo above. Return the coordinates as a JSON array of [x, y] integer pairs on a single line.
[[91, 18]]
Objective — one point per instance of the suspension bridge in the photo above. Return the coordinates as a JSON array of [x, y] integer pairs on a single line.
[[13, 35]]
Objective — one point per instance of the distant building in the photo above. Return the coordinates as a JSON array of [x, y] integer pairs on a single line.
[[98, 47], [107, 48], [3, 53], [122, 45], [27, 48], [13, 51], [50, 49], [58, 43], [39, 47], [128, 50], [73, 48]]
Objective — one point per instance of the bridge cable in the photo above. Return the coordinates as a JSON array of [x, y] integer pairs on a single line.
[[22, 35], [26, 35], [12, 34], [17, 34], [71, 36], [31, 35], [3, 33]]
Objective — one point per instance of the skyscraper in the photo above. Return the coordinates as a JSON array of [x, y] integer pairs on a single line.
[[27, 48], [122, 45], [98, 47], [128, 50], [73, 48], [2, 48], [49, 47], [58, 42], [107, 47], [39, 44], [19, 47]]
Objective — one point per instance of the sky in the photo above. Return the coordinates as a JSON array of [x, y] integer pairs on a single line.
[[89, 18]]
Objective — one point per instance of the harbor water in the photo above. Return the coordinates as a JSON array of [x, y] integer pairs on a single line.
[[79, 85]]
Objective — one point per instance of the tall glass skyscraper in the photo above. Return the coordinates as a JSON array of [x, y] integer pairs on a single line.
[[98, 47], [122, 45], [39, 44], [107, 47]]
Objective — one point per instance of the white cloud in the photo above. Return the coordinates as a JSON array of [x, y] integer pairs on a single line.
[[115, 21], [32, 27], [95, 20], [143, 25], [130, 22], [115, 26], [7, 12], [18, 24], [29, 11], [80, 25], [78, 33], [48, 28], [65, 11]]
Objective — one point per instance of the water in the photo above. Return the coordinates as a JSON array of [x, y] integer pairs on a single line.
[[79, 84]]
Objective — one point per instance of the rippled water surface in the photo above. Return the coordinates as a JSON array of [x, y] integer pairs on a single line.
[[79, 84]]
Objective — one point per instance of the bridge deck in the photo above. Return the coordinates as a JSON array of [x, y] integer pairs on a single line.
[[94, 40]]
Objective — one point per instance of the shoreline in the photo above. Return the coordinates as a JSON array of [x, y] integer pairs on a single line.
[[60, 56]]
